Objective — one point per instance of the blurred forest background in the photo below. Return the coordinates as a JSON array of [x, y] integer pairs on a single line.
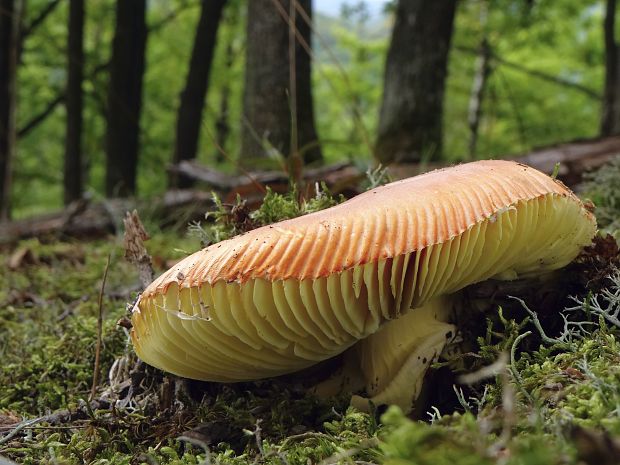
[[101, 97]]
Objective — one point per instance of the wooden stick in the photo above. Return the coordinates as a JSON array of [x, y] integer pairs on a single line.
[[93, 389]]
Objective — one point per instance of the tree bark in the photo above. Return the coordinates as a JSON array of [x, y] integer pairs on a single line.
[[222, 125], [610, 119], [73, 179], [10, 12], [410, 121], [267, 91], [476, 97], [125, 98], [189, 119]]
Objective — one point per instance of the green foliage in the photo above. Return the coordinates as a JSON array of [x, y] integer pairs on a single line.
[[520, 111], [277, 207], [229, 220], [347, 85], [560, 38]]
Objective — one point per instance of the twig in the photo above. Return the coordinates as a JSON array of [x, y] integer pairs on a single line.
[[73, 210], [93, 389], [257, 435], [37, 119], [52, 104], [243, 171], [21, 426], [61, 416], [170, 17], [513, 353], [357, 116], [261, 451], [513, 364], [44, 13], [54, 427], [543, 335], [339, 457], [593, 94]]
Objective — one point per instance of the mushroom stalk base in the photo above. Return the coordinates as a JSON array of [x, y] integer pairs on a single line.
[[390, 365]]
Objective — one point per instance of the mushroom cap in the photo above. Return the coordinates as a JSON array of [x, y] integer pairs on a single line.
[[283, 297]]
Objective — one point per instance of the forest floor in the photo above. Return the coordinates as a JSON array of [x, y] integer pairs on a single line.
[[553, 396]]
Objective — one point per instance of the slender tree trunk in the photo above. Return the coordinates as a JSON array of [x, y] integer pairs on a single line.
[[73, 179], [610, 120], [410, 122], [189, 118], [10, 13], [476, 98], [222, 125], [267, 102], [125, 97]]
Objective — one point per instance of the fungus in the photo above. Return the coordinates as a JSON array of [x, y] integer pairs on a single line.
[[379, 268]]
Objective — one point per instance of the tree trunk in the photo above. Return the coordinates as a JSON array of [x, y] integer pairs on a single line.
[[610, 120], [267, 100], [410, 122], [476, 97], [189, 119], [10, 12], [125, 98], [222, 125], [73, 179]]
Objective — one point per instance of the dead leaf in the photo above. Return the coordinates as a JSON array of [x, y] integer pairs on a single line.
[[20, 257]]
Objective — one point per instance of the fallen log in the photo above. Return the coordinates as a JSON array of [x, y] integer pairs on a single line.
[[340, 178], [90, 219], [574, 158]]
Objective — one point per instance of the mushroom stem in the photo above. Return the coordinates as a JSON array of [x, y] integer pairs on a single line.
[[391, 363], [395, 359]]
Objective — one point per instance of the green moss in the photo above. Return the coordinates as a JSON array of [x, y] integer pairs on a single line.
[[603, 188], [411, 442], [48, 325], [226, 221], [580, 387], [277, 207]]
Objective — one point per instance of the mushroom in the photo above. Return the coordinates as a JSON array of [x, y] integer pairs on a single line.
[[380, 268]]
